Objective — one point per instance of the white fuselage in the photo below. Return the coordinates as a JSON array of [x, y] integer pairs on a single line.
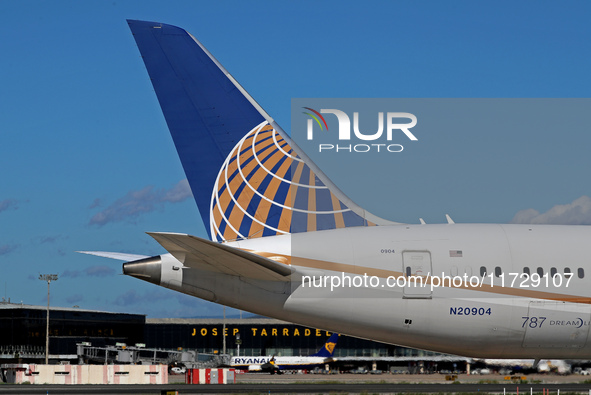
[[291, 363], [506, 314]]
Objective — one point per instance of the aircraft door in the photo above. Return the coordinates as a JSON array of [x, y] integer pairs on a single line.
[[417, 266]]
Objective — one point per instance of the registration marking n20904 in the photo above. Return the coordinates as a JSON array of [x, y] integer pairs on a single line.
[[469, 311]]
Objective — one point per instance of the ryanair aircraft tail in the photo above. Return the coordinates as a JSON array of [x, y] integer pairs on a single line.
[[328, 349], [248, 178]]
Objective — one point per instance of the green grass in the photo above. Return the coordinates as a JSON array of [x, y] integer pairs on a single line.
[[488, 381]]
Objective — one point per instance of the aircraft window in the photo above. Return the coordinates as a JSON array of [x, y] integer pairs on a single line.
[[567, 270], [581, 272], [553, 271], [453, 271], [526, 270], [408, 272], [541, 271], [498, 271], [482, 271]]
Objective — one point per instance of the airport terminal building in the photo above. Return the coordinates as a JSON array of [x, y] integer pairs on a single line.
[[22, 335], [260, 336], [22, 329]]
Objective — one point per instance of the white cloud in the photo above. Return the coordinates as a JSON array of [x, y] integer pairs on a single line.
[[8, 204], [71, 273], [100, 271], [576, 213], [96, 203], [92, 271], [159, 303], [147, 299], [50, 239], [180, 192], [136, 203], [7, 248]]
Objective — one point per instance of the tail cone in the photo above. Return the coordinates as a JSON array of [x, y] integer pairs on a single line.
[[148, 269]]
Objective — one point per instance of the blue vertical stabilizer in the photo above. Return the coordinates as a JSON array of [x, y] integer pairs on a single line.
[[206, 112], [247, 176], [328, 349]]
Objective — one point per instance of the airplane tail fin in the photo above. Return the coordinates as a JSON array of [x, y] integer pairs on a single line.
[[247, 177], [327, 349]]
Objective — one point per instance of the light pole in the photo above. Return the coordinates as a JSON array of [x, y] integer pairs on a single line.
[[49, 278]]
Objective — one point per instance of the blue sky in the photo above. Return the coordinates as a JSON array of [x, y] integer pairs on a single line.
[[88, 164]]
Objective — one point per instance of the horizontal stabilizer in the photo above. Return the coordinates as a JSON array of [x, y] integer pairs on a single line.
[[203, 254], [120, 256]]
